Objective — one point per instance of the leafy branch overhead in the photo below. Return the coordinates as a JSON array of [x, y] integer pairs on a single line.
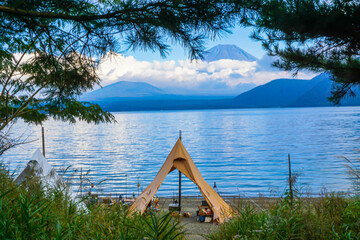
[[311, 35], [50, 50]]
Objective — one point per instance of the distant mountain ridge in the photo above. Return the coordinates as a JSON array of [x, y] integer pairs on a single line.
[[292, 93], [277, 93], [233, 52], [124, 89], [280, 92], [317, 95]]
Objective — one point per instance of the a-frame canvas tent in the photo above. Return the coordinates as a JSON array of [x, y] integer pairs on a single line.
[[39, 166], [180, 159]]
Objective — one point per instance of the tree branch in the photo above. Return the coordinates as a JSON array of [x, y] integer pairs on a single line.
[[80, 18]]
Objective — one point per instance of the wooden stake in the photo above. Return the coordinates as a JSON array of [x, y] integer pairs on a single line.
[[43, 140]]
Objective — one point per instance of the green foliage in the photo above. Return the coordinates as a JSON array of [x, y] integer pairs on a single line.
[[30, 212], [313, 35], [162, 227], [330, 217]]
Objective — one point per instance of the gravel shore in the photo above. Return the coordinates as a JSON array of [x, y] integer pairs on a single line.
[[195, 229]]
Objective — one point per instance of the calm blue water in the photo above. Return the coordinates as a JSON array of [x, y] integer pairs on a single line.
[[244, 151]]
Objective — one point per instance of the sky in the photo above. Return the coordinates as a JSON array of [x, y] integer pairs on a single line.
[[178, 75], [239, 37]]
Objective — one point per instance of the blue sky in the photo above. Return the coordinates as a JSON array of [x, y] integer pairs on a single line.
[[239, 37]]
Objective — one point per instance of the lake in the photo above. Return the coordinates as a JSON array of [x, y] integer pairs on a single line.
[[245, 151]]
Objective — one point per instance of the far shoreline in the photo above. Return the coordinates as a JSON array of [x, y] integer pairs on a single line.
[[216, 109]]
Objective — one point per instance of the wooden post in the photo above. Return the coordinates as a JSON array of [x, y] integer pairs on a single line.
[[43, 140], [290, 182], [126, 186], [179, 191]]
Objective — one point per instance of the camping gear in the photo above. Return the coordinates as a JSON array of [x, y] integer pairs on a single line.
[[205, 212], [173, 207], [186, 214], [175, 214], [155, 204], [180, 159]]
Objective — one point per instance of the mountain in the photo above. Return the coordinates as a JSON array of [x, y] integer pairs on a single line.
[[140, 91], [124, 89], [211, 89], [228, 52], [137, 96], [317, 95], [292, 93], [277, 93]]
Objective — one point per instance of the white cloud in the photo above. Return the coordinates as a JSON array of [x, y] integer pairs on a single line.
[[190, 75]]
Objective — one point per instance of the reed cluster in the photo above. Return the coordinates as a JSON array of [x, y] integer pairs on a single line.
[[32, 211], [333, 216]]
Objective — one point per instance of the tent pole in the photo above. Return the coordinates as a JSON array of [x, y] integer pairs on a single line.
[[179, 180], [179, 191], [43, 140]]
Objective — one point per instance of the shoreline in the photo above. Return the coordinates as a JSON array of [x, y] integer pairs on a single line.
[[189, 204]]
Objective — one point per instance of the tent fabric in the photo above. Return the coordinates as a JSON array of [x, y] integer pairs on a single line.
[[180, 159], [39, 166]]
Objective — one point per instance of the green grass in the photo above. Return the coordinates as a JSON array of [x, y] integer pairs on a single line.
[[29, 211], [331, 217]]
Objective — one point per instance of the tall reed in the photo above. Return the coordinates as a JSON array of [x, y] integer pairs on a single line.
[[30, 211], [331, 217]]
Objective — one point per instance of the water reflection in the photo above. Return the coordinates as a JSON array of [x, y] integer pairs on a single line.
[[244, 151]]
